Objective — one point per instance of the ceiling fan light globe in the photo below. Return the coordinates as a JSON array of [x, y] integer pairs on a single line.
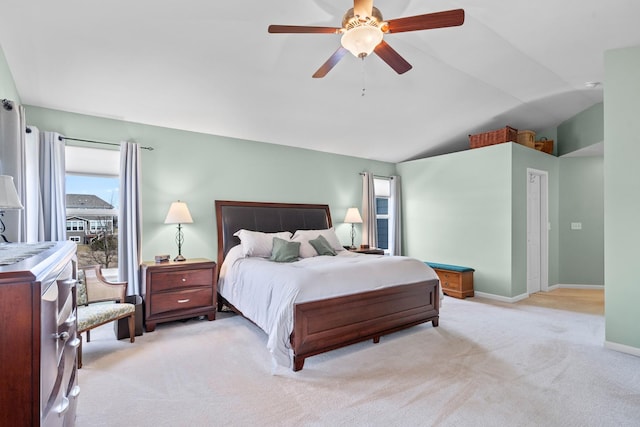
[[361, 40]]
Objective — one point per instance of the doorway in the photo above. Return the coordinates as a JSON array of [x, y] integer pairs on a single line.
[[537, 231]]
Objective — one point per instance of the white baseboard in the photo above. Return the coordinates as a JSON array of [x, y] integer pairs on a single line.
[[634, 351], [525, 296], [499, 297], [576, 286]]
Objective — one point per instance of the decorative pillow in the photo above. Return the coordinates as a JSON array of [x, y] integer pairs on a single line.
[[285, 250], [321, 246], [258, 244], [303, 236]]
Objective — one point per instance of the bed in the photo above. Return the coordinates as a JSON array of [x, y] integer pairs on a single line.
[[325, 324]]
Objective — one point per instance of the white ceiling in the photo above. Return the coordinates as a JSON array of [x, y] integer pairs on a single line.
[[210, 66]]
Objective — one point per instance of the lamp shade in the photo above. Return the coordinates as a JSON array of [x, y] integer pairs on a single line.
[[8, 194], [353, 216], [178, 214]]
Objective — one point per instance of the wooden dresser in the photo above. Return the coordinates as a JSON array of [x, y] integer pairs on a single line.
[[38, 342], [178, 290]]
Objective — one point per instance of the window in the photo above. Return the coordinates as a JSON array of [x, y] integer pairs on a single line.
[[92, 186], [75, 225], [383, 195]]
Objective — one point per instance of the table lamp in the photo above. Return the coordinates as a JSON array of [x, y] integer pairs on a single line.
[[179, 214], [8, 200], [353, 217]]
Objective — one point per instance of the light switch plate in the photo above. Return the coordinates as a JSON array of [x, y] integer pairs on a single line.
[[576, 226]]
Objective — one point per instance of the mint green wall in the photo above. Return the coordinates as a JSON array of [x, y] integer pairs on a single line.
[[582, 190], [7, 85], [583, 130], [457, 210], [199, 169], [523, 159], [622, 196], [469, 208]]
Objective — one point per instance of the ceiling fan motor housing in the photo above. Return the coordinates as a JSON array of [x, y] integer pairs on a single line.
[[361, 34]]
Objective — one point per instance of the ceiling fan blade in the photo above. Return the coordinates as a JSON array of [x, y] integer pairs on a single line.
[[449, 18], [331, 62], [298, 29], [391, 57], [362, 7]]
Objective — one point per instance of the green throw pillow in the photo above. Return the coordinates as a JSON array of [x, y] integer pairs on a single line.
[[322, 246], [284, 251]]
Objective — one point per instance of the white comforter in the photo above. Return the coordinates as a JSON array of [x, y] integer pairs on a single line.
[[266, 291]]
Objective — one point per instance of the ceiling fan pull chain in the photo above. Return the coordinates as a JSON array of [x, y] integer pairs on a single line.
[[363, 79]]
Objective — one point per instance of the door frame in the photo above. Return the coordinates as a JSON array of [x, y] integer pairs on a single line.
[[543, 228]]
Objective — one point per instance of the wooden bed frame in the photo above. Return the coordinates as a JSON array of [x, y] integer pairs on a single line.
[[325, 325]]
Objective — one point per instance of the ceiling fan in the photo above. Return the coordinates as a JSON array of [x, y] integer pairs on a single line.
[[363, 29]]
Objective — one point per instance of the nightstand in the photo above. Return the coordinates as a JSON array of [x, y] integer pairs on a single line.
[[178, 290], [370, 251]]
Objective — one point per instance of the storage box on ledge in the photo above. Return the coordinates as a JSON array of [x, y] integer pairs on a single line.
[[527, 138], [545, 145], [498, 136]]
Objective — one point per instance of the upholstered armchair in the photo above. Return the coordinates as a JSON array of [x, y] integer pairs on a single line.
[[100, 301]]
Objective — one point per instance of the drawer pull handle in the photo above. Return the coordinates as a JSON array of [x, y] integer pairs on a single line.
[[62, 336], [184, 279], [182, 301], [75, 391], [62, 407]]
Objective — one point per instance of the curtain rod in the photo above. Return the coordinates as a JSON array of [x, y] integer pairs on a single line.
[[377, 176], [97, 142]]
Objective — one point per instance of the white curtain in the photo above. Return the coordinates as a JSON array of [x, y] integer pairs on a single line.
[[52, 186], [369, 226], [395, 217], [12, 140], [33, 209], [130, 217]]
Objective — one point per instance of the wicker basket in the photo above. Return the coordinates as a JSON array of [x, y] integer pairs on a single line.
[[545, 145], [493, 137], [527, 138]]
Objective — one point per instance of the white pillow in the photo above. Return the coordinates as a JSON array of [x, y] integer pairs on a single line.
[[303, 236], [258, 244]]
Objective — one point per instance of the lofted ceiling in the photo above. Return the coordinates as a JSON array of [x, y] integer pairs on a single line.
[[211, 67]]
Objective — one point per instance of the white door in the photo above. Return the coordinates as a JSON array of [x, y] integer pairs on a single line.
[[537, 231]]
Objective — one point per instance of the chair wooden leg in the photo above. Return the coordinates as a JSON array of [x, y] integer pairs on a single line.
[[132, 327], [80, 352]]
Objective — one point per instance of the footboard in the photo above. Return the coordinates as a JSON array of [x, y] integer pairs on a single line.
[[320, 326]]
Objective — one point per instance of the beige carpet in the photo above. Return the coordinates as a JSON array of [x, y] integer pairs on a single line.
[[487, 364]]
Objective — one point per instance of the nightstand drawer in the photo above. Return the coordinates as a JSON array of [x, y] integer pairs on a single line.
[[163, 281], [181, 300]]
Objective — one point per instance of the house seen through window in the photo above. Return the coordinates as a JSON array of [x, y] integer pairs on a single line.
[[92, 198]]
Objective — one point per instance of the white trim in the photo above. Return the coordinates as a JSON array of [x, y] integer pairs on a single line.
[[634, 351], [578, 286], [501, 298]]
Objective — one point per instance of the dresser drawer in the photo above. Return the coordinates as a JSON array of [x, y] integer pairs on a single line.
[[450, 279], [181, 300], [170, 280]]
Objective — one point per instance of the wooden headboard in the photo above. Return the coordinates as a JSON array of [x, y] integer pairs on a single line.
[[266, 217]]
